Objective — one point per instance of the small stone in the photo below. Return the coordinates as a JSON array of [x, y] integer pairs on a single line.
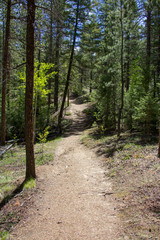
[[59, 222]]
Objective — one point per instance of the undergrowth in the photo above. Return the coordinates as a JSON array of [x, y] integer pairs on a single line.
[[12, 165], [12, 173]]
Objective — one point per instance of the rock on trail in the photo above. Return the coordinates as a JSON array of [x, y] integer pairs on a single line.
[[75, 200]]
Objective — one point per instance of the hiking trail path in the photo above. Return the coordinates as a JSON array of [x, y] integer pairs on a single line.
[[74, 199]]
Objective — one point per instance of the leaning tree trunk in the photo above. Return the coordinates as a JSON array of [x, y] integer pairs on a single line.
[[69, 70], [4, 74], [29, 123]]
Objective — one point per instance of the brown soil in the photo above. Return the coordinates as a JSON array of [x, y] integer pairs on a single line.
[[75, 199], [134, 169]]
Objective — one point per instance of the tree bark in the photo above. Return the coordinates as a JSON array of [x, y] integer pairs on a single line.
[[81, 81], [8, 82], [4, 74], [122, 77], [1, 54], [158, 65], [69, 69], [56, 82], [159, 144], [91, 81], [29, 123], [128, 64], [51, 61], [148, 49]]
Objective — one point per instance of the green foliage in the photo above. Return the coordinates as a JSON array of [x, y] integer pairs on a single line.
[[29, 184], [49, 151], [44, 159], [146, 112], [15, 114], [42, 72], [4, 235], [42, 137]]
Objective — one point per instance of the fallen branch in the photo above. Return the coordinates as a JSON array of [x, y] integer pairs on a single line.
[[6, 149]]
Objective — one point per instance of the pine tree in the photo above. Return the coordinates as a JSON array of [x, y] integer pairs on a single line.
[[29, 135], [4, 77]]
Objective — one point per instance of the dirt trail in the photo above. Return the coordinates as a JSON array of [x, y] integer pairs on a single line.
[[74, 201]]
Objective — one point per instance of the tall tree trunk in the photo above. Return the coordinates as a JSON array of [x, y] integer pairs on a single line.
[[158, 65], [4, 77], [56, 81], [91, 81], [148, 48], [8, 82], [69, 69], [128, 64], [68, 98], [36, 109], [1, 54], [51, 61], [29, 123], [154, 84], [159, 144], [81, 81], [122, 76], [158, 73]]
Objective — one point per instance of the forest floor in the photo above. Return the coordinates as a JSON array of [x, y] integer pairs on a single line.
[[74, 198], [97, 187]]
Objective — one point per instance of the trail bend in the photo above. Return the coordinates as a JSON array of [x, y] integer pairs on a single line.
[[74, 200]]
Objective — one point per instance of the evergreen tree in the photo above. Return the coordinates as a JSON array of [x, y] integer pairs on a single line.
[[4, 77], [29, 124]]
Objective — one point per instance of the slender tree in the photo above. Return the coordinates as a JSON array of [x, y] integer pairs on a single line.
[[69, 67], [57, 56], [122, 72], [148, 47], [50, 58], [29, 123], [4, 76]]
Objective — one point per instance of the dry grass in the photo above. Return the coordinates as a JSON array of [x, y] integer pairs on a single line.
[[12, 173], [135, 170]]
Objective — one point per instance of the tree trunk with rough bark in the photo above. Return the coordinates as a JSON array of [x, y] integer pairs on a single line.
[[4, 74], [148, 49], [122, 76], [51, 61], [29, 123], [56, 81]]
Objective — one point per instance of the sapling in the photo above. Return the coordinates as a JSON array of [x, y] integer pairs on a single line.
[[42, 137]]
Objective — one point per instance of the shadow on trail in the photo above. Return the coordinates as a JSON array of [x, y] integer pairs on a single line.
[[80, 122], [113, 144], [10, 196], [78, 126], [80, 100]]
